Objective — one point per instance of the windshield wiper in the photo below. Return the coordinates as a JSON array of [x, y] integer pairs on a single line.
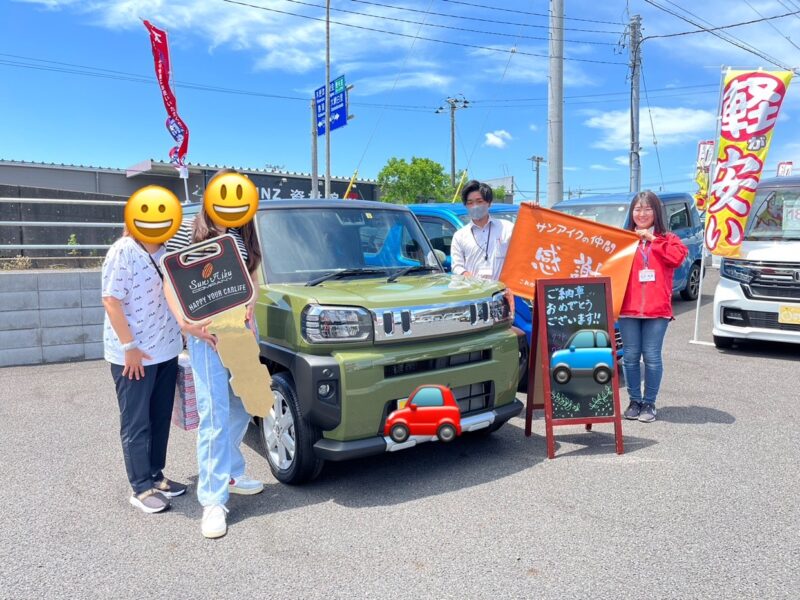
[[408, 270], [342, 273]]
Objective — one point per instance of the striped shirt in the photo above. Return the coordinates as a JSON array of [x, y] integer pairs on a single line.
[[183, 239]]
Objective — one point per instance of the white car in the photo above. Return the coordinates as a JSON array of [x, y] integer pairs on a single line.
[[758, 295]]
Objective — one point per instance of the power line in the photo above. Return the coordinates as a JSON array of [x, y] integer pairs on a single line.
[[523, 12], [653, 129], [626, 93], [788, 39], [481, 31], [746, 48], [763, 19], [406, 35]]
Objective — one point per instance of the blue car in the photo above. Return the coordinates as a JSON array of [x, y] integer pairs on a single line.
[[680, 217], [587, 353]]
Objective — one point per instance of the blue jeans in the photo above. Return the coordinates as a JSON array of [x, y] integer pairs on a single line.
[[642, 338], [223, 423]]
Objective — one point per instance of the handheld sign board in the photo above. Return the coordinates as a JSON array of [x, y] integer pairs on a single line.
[[210, 279], [578, 355]]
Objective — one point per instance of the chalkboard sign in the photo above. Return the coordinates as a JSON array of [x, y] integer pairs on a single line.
[[578, 353], [208, 277]]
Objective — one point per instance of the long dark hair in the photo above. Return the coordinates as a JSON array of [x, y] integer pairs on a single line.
[[204, 228], [648, 198]]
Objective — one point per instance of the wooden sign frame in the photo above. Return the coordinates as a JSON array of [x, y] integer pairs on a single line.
[[540, 349]]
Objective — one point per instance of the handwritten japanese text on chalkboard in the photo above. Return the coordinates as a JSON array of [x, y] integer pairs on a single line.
[[562, 309]]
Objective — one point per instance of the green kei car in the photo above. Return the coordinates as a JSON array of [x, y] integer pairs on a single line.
[[356, 312]]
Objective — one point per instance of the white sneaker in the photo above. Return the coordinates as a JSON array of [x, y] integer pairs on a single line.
[[245, 486], [214, 524]]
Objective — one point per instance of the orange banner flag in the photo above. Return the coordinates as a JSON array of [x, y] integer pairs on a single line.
[[547, 244]]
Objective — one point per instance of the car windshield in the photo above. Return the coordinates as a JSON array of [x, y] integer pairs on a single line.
[[302, 244], [506, 215], [775, 215], [610, 214]]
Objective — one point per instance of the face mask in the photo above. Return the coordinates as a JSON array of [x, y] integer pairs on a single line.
[[478, 211]]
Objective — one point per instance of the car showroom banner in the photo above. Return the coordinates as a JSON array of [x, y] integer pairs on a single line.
[[547, 244], [705, 156], [175, 125], [751, 101]]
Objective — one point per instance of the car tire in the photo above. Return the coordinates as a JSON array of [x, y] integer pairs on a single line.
[[446, 433], [399, 433], [284, 427], [602, 375], [723, 343], [562, 375], [692, 283]]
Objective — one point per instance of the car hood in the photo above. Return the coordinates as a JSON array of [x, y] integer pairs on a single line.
[[770, 251], [413, 290]]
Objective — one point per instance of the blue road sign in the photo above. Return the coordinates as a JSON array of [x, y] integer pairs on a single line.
[[338, 105]]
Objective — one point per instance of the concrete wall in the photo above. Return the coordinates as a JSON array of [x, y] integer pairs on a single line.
[[50, 316]]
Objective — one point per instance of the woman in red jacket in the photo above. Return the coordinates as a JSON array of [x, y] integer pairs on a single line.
[[647, 306]]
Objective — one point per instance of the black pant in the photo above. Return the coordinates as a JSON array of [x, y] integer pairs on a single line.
[[145, 408]]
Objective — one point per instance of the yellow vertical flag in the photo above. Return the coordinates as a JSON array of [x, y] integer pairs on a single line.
[[751, 101]]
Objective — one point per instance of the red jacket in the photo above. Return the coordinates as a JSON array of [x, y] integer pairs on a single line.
[[653, 299]]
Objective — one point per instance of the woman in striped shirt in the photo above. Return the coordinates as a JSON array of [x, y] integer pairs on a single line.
[[223, 420]]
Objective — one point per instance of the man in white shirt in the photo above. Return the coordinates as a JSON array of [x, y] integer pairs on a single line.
[[479, 248]]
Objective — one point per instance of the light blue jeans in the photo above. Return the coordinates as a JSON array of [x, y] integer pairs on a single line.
[[223, 423], [642, 338]]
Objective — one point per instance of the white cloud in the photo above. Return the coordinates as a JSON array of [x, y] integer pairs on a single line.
[[672, 126], [498, 138], [430, 81], [533, 127], [625, 159], [571, 168], [602, 168]]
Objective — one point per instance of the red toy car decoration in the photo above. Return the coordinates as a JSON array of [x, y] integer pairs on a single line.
[[430, 411]]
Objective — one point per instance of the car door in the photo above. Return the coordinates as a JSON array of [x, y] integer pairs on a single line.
[[679, 222]]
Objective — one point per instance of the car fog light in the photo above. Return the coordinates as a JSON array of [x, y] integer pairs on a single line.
[[324, 390]]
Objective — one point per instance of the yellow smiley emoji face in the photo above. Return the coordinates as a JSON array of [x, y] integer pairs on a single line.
[[230, 200], [153, 214]]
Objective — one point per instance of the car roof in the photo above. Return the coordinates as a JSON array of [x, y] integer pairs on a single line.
[[319, 203], [790, 181], [620, 199], [458, 208]]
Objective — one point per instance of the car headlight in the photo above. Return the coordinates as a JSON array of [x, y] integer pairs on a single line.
[[734, 269], [326, 324], [499, 309]]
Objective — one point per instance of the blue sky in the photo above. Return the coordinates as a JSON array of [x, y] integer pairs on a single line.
[[54, 107]]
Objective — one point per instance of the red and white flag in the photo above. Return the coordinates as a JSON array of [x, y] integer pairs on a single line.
[[175, 125]]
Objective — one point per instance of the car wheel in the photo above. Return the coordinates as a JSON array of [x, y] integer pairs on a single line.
[[692, 284], [602, 375], [287, 437], [446, 433], [723, 343], [399, 433], [562, 375]]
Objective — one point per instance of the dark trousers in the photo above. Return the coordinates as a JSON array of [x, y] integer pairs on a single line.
[[145, 408]]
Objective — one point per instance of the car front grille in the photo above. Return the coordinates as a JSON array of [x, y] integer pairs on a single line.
[[755, 318], [416, 367], [783, 291]]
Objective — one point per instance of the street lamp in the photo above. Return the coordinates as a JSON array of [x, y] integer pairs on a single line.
[[455, 104]]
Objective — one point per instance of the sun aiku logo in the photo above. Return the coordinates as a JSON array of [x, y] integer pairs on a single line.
[[207, 270]]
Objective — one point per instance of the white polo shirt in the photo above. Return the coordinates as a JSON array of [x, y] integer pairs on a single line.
[[481, 250]]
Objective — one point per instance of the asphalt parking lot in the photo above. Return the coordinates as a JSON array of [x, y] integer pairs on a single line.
[[703, 504]]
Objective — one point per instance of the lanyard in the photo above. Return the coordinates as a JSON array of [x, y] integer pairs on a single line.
[[645, 255], [486, 247], [160, 274]]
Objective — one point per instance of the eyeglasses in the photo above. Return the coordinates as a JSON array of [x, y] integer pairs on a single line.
[[639, 209], [474, 201]]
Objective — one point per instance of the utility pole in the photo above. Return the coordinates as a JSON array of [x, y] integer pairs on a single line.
[[535, 161], [327, 99], [455, 104], [555, 106], [636, 67], [314, 158]]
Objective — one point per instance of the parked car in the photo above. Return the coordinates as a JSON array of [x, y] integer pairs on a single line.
[[680, 217], [431, 411], [587, 352], [758, 294], [355, 313]]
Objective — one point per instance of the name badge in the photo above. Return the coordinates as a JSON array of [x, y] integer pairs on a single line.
[[646, 275], [485, 272]]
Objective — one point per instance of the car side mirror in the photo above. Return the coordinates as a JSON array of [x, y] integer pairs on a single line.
[[572, 348], [412, 406], [440, 255]]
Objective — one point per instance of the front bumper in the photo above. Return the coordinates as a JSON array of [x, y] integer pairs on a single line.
[[729, 295], [334, 450]]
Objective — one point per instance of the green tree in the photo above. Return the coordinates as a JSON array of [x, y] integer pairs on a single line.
[[420, 180]]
